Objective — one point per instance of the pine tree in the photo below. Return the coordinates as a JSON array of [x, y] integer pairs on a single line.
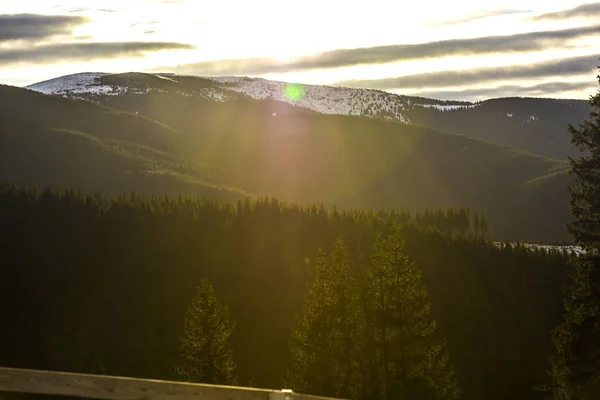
[[575, 372], [324, 344], [205, 355], [476, 226], [463, 221], [407, 360], [484, 226]]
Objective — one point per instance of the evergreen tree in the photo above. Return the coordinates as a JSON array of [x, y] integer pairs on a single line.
[[575, 372], [69, 274], [484, 226], [407, 360], [324, 344], [476, 225], [205, 355], [463, 221]]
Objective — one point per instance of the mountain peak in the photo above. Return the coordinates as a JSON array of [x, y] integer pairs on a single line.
[[319, 98]]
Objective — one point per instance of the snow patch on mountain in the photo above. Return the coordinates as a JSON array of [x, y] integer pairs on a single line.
[[228, 79], [322, 99], [530, 119], [84, 82], [443, 107], [577, 250]]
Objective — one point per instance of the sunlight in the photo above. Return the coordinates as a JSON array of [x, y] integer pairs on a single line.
[[293, 91], [327, 195]]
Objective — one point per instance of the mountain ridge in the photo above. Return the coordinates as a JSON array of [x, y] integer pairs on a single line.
[[537, 125], [58, 142]]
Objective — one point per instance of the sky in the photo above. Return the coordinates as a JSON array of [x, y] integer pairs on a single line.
[[461, 49]]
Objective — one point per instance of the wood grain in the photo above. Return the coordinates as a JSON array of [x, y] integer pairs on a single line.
[[121, 388]]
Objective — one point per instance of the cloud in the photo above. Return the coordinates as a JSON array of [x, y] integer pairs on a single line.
[[478, 16], [558, 67], [36, 27], [145, 27], [541, 90], [89, 9], [85, 51], [143, 23], [584, 10], [387, 54]]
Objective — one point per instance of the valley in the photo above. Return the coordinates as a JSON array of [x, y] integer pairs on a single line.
[[236, 200], [129, 189]]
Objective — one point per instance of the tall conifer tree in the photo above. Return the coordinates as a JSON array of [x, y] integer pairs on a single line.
[[407, 360], [205, 355], [324, 344], [575, 372]]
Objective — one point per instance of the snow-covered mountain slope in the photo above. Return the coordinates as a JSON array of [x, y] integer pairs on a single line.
[[85, 82], [322, 99]]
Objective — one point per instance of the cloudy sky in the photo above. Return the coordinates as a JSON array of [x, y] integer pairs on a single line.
[[461, 49]]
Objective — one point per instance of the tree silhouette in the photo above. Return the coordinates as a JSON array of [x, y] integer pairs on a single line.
[[205, 353], [575, 371]]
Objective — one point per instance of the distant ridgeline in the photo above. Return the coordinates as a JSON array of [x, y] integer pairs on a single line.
[[87, 277], [531, 124]]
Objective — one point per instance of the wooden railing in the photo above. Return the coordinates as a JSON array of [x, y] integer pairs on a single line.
[[120, 388]]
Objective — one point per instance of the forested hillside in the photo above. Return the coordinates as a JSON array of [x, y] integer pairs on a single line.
[[60, 142], [261, 147], [92, 277], [121, 283], [531, 124]]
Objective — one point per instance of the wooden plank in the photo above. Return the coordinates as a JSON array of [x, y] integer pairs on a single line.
[[122, 388]]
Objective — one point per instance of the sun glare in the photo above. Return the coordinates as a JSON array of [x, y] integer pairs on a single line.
[[293, 91]]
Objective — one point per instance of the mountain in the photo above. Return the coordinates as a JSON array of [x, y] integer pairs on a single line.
[[531, 124], [225, 144], [47, 140], [534, 125]]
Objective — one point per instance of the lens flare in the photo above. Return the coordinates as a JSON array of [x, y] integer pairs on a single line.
[[293, 91]]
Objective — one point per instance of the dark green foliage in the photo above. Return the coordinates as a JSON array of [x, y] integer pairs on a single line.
[[113, 276], [205, 356], [373, 342], [575, 372], [455, 222], [325, 344], [406, 360]]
